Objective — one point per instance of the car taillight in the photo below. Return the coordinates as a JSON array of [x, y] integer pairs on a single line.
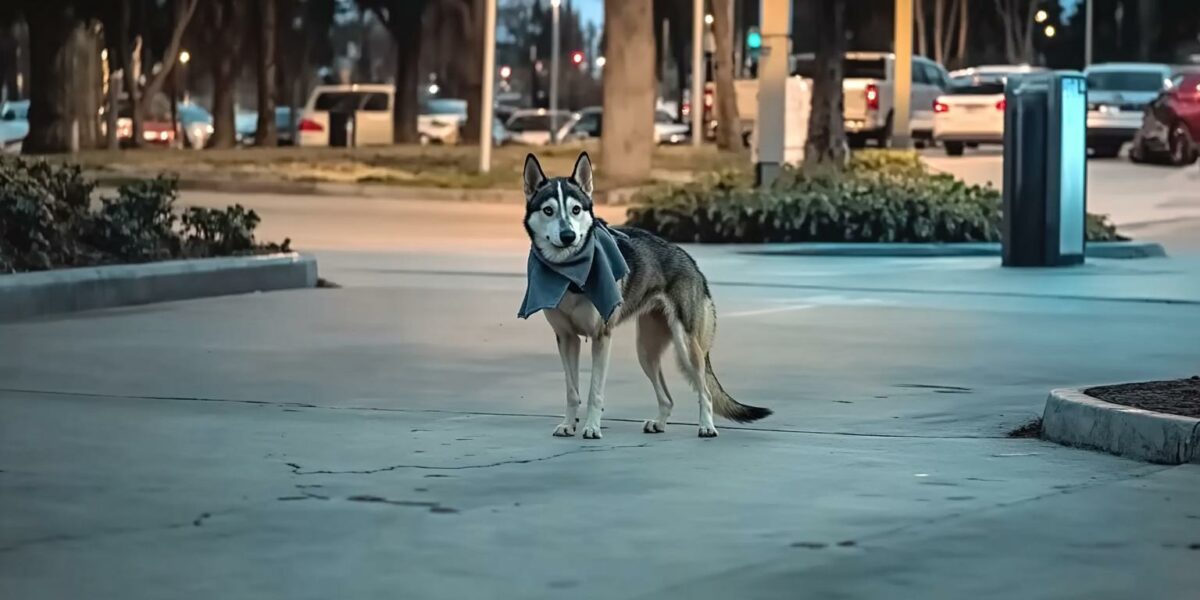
[[708, 98], [940, 107], [1001, 105], [872, 97], [310, 125]]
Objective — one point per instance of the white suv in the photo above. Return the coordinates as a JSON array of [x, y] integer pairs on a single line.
[[1117, 95], [353, 114]]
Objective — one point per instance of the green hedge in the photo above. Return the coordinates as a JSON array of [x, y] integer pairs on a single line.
[[48, 220], [884, 196]]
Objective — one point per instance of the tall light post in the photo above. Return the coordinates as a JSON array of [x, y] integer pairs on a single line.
[[1087, 35], [902, 86], [489, 69], [554, 51], [697, 72]]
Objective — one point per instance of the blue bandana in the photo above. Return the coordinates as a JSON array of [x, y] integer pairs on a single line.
[[595, 270]]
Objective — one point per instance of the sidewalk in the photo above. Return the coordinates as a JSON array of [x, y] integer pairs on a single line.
[[392, 438]]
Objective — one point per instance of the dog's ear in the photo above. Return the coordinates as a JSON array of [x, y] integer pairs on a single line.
[[583, 173], [534, 177]]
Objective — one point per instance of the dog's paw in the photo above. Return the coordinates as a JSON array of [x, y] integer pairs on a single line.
[[708, 432], [564, 430], [652, 426], [591, 432]]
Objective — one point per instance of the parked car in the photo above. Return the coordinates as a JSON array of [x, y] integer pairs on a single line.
[[1117, 97], [441, 121], [347, 114], [157, 128], [14, 125], [531, 127], [591, 120], [867, 94], [1170, 130], [196, 123], [246, 124], [971, 112]]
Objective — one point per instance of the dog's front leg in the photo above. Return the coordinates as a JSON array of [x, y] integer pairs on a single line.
[[568, 350], [601, 346]]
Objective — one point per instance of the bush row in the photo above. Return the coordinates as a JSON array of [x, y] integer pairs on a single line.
[[48, 220], [883, 196]]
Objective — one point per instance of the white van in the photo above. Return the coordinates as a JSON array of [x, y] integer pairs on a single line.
[[369, 105]]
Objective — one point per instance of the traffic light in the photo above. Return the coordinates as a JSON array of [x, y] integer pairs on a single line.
[[577, 58], [753, 39]]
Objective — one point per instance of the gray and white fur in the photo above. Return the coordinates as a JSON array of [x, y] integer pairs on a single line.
[[664, 292]]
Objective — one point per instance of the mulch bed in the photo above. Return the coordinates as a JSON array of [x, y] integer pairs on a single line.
[[1174, 397]]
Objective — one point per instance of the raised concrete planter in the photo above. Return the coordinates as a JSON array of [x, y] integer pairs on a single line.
[[920, 250], [1076, 419], [25, 295]]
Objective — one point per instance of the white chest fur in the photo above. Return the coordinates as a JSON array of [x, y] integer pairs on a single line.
[[576, 314]]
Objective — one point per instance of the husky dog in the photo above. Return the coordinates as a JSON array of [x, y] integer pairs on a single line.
[[589, 278]]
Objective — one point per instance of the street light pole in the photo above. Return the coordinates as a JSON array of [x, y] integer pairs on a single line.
[[902, 87], [489, 70], [697, 72], [1087, 36], [554, 52]]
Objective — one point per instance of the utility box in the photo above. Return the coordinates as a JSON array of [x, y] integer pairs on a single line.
[[797, 102], [1045, 169]]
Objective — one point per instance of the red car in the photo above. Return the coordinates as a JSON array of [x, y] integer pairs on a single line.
[[1171, 124]]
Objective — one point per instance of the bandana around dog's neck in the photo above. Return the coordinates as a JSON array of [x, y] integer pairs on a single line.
[[595, 270]]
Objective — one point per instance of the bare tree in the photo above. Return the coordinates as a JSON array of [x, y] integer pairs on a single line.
[[1016, 17], [626, 142], [265, 134], [729, 129], [826, 145], [919, 18], [224, 23], [963, 21], [130, 45]]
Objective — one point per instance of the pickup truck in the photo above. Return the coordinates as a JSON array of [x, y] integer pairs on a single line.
[[867, 95]]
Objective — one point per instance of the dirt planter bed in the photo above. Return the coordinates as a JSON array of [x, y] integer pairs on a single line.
[[1131, 420]]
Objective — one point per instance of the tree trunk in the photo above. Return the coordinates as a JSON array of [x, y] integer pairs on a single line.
[[948, 39], [132, 69], [224, 124], [963, 20], [265, 134], [406, 31], [729, 129], [470, 66], [51, 109], [626, 141], [939, 28], [919, 17], [826, 144]]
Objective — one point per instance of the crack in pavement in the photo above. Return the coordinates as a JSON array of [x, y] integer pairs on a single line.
[[298, 470], [488, 414]]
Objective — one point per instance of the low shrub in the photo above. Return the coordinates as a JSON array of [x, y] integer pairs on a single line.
[[883, 196], [48, 220]]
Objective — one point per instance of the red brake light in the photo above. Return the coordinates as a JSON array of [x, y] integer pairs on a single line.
[[1001, 105], [940, 107], [310, 125], [872, 97]]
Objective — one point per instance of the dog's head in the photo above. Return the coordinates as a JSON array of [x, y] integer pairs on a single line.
[[558, 210]]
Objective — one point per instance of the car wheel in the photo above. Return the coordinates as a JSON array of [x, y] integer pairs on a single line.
[[1137, 152], [884, 138], [953, 148], [1182, 152]]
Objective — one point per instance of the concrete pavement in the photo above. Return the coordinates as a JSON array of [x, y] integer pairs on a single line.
[[392, 438]]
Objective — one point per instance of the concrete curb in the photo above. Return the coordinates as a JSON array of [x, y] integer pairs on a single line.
[[357, 190], [1094, 250], [1073, 418], [25, 295]]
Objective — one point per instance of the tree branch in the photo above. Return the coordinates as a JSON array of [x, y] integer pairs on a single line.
[[171, 56]]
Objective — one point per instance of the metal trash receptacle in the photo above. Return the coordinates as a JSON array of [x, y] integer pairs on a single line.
[[1045, 170]]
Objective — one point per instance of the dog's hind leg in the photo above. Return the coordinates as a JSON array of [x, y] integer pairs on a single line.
[[568, 350], [653, 337], [691, 350]]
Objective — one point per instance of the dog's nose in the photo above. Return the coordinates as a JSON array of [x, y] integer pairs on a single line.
[[567, 236]]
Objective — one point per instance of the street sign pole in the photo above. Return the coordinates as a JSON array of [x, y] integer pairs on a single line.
[[1087, 36], [775, 24], [554, 52], [489, 73], [697, 102]]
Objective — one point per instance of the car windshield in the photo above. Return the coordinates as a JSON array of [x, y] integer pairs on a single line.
[[338, 101], [17, 111], [533, 123], [1126, 81], [971, 87], [444, 106]]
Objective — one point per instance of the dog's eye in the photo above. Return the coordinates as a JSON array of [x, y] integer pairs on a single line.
[[549, 212], [575, 210]]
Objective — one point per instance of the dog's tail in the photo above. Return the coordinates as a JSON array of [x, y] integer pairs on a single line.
[[725, 405]]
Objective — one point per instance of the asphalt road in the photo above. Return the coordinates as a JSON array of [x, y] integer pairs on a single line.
[[391, 438]]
